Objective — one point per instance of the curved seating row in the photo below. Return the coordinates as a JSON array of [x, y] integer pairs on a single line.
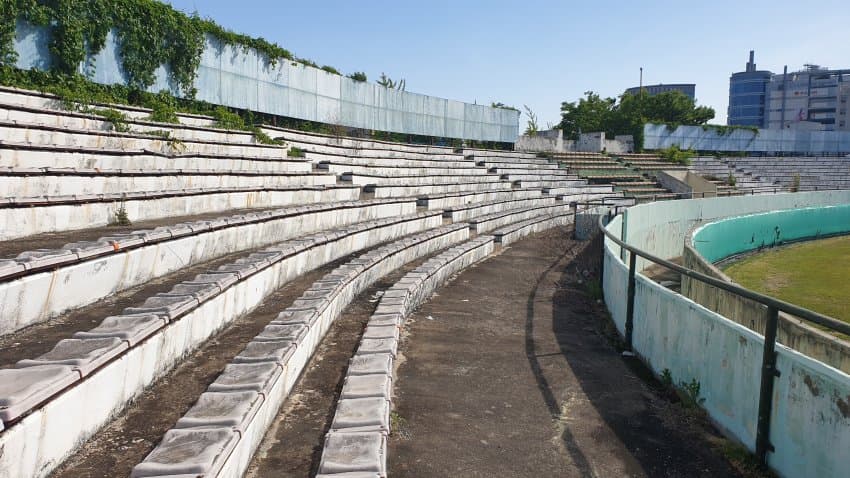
[[446, 200], [22, 217], [394, 191], [496, 220], [51, 404], [469, 211], [227, 423], [356, 441], [22, 155], [88, 271], [51, 135], [28, 182]]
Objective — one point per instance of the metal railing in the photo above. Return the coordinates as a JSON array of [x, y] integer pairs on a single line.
[[774, 306]]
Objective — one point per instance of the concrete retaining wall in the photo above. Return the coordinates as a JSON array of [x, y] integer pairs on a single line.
[[810, 421]]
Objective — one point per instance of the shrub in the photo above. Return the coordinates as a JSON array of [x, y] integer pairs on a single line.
[[117, 118], [358, 76], [295, 152], [677, 156]]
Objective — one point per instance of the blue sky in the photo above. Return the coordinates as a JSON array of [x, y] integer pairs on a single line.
[[540, 53]]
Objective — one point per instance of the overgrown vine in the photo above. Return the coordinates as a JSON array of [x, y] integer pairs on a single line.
[[149, 34]]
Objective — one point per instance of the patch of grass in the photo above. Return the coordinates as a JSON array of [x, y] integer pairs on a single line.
[[295, 152], [594, 289], [810, 274]]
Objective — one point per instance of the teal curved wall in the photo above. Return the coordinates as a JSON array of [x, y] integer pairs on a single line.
[[718, 240]]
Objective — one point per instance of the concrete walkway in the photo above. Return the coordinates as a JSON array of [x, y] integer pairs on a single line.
[[508, 372]]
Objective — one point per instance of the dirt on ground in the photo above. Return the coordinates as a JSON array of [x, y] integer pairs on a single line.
[[512, 370]]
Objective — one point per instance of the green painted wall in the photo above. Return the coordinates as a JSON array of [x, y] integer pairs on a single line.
[[718, 240]]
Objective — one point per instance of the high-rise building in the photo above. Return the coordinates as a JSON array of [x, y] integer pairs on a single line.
[[689, 89], [814, 98], [748, 96]]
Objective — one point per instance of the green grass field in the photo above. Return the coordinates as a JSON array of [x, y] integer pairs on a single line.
[[814, 275]]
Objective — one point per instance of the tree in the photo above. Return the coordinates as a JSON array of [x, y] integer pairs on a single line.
[[385, 81], [594, 113], [358, 76], [532, 127], [591, 113]]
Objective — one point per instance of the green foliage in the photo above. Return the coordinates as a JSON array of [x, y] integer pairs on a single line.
[[731, 180], [795, 183], [295, 152], [358, 76], [724, 130], [331, 69], [121, 217], [594, 289], [387, 82], [502, 106], [226, 119], [149, 33], [689, 392], [666, 377], [163, 108], [594, 113], [531, 128], [117, 118], [677, 156]]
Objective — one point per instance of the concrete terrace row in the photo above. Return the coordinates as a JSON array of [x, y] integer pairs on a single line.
[[95, 310]]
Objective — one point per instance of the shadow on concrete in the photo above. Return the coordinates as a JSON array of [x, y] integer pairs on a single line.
[[660, 438]]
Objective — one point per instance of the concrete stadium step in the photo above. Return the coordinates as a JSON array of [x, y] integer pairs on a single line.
[[549, 184], [399, 170], [154, 337], [25, 217], [554, 175], [469, 211], [22, 155], [499, 154], [490, 161], [336, 144], [442, 201], [49, 135], [271, 364], [92, 270], [395, 191], [37, 99], [29, 182], [362, 160], [489, 222], [414, 180], [91, 121], [582, 189], [356, 439]]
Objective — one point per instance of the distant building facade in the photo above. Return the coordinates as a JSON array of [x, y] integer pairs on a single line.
[[814, 98], [689, 89], [748, 96]]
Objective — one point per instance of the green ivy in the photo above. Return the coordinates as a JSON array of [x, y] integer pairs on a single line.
[[149, 33]]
